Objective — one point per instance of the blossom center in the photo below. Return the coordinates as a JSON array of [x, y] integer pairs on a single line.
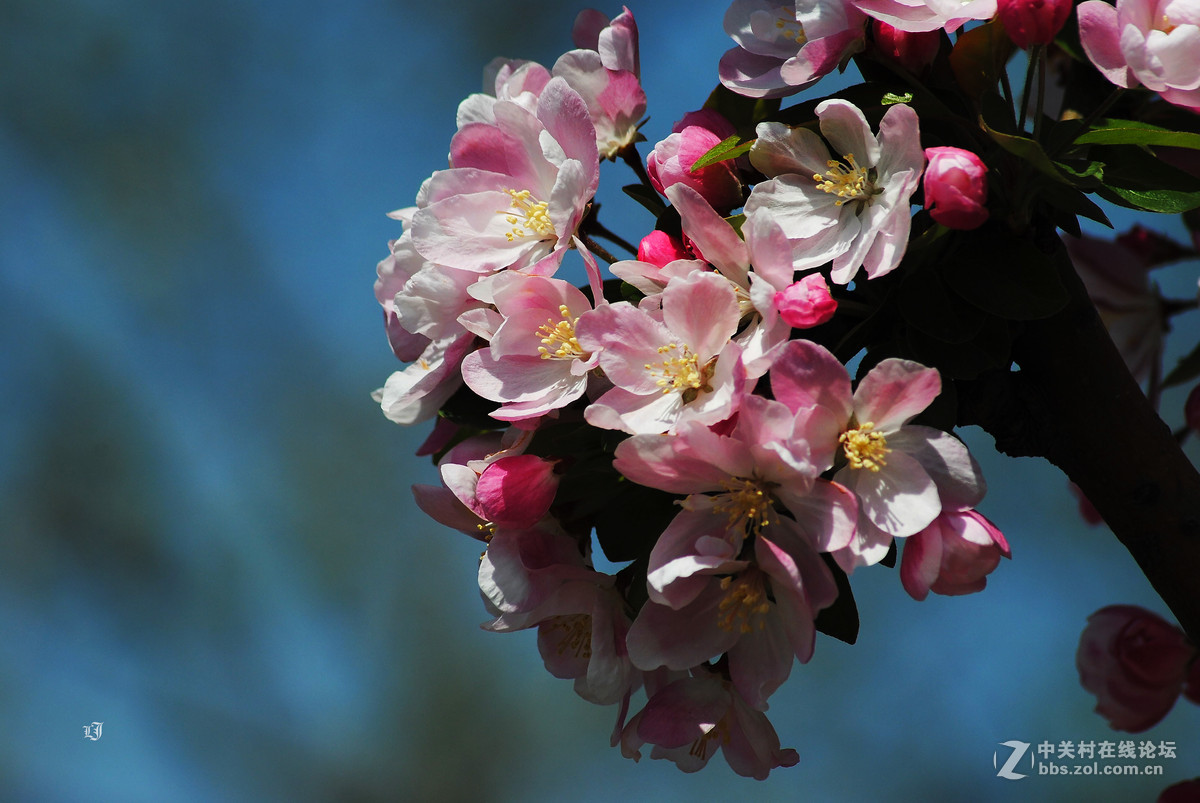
[[574, 632], [527, 215], [744, 604], [746, 502], [864, 447], [789, 28], [847, 180], [700, 748], [558, 338], [681, 371]]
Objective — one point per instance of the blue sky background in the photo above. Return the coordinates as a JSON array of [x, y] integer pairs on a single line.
[[210, 544]]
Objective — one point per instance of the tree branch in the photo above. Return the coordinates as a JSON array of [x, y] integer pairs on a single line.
[[1075, 403]]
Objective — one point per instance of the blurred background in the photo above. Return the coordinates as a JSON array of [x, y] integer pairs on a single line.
[[209, 544]]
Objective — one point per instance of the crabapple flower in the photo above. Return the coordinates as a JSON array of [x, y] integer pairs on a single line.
[[851, 208], [688, 720], [514, 80], [516, 190], [926, 15], [782, 50], [605, 72], [806, 303], [904, 475], [418, 391], [952, 556], [955, 187], [533, 363], [914, 51], [393, 272], [682, 367], [1033, 22], [1117, 279], [1150, 43], [1135, 662], [671, 163], [581, 636]]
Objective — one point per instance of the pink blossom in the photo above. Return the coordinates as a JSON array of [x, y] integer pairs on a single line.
[[904, 475], [780, 51], [850, 207], [418, 391], [927, 15], [914, 51], [667, 371], [690, 719], [393, 273], [956, 187], [1152, 43], [1033, 22], [516, 190], [533, 363], [605, 72], [952, 556], [1118, 282], [806, 303], [581, 636], [659, 248], [526, 569], [671, 162], [1135, 662]]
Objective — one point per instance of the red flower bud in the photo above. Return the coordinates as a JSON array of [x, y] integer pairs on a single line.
[[912, 51], [1033, 22]]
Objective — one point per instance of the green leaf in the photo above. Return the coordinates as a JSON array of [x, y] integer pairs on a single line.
[[989, 350], [745, 113], [891, 98], [1170, 202], [1130, 132], [724, 150], [1026, 149], [1187, 369], [1005, 276], [646, 197]]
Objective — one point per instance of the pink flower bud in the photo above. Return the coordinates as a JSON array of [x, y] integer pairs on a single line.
[[912, 51], [659, 248], [952, 556], [1033, 22], [671, 161], [956, 188], [711, 119], [516, 491], [1191, 410], [1134, 661], [806, 303]]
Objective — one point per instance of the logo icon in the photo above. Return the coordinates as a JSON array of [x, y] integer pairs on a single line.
[[1018, 752], [93, 731]]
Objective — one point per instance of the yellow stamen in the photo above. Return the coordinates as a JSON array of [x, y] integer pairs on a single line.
[[527, 216], [746, 502], [560, 336], [744, 605], [576, 638], [864, 447], [788, 26], [682, 372], [848, 181]]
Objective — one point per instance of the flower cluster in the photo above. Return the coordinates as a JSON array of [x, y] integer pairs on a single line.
[[692, 412]]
